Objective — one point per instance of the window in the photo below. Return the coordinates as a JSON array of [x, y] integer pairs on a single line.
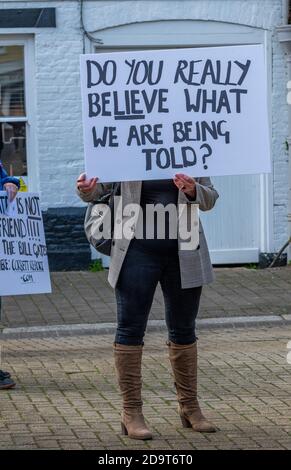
[[13, 116]]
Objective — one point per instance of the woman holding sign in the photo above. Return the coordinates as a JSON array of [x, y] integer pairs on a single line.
[[11, 186], [137, 266]]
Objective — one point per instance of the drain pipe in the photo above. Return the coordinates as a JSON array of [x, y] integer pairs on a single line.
[[284, 35]]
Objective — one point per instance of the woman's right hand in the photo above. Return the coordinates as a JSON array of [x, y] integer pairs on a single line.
[[84, 185], [11, 190]]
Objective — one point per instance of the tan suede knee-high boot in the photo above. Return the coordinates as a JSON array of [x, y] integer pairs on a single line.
[[128, 367], [183, 359]]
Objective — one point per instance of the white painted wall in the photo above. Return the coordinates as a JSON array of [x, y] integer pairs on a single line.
[[58, 128]]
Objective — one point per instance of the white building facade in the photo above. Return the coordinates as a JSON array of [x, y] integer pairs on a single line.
[[41, 120]]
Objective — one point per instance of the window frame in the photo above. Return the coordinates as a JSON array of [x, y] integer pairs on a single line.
[[27, 41]]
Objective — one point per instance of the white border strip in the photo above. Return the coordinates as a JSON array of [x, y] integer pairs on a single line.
[[109, 328]]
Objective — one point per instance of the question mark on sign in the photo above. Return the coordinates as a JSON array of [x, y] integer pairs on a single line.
[[206, 155]]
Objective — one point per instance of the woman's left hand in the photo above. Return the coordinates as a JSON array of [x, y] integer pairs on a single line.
[[186, 184], [11, 190]]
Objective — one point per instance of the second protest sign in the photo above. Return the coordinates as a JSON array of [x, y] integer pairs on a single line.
[[23, 254]]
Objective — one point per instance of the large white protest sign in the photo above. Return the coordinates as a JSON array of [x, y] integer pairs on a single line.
[[152, 114], [23, 255]]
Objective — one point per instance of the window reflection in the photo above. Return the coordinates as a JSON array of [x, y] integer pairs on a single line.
[[12, 106], [12, 81], [13, 148]]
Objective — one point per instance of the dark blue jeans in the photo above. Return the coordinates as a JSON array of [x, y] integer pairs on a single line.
[[141, 271]]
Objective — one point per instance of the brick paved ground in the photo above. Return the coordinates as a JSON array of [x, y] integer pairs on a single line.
[[67, 393], [85, 297]]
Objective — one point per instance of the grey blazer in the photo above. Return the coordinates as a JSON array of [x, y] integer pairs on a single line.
[[195, 265]]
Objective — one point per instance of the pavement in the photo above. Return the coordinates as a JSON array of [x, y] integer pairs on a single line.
[[85, 298], [67, 395], [59, 349]]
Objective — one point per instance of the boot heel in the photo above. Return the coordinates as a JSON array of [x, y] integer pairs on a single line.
[[123, 429], [185, 422]]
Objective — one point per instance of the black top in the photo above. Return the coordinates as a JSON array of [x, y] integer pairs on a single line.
[[158, 192]]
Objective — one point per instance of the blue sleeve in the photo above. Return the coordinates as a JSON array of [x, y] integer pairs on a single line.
[[3, 173]]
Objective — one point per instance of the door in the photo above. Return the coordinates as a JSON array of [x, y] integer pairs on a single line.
[[239, 227]]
